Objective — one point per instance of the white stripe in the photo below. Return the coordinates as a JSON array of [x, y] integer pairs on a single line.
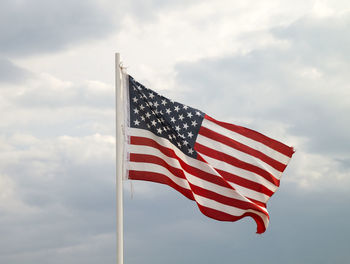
[[140, 149], [274, 154], [249, 193], [231, 193], [228, 209], [190, 177], [166, 143], [210, 143], [150, 167], [240, 172]]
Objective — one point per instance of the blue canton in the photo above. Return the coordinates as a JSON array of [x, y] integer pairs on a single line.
[[165, 118]]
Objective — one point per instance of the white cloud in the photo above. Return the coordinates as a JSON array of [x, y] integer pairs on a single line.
[[315, 172]]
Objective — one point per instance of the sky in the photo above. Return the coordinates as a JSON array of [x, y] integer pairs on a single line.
[[279, 67]]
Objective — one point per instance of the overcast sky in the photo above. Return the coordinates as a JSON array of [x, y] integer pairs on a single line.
[[279, 67]]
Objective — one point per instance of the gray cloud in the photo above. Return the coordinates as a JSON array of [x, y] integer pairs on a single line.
[[53, 93], [10, 73], [58, 201], [169, 225], [29, 27], [149, 9], [41, 26], [304, 85], [318, 39], [57, 193]]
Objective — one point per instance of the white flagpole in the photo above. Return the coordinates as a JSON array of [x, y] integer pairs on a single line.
[[119, 158]]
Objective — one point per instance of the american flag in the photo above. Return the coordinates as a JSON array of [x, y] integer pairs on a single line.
[[228, 170]]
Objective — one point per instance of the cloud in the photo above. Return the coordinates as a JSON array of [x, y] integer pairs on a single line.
[[47, 106], [57, 177], [323, 36], [282, 84], [41, 26], [47, 91], [190, 237], [300, 89], [11, 73], [59, 196], [45, 26]]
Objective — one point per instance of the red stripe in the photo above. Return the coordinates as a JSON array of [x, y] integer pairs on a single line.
[[226, 200], [235, 162], [274, 144], [171, 153], [159, 178], [241, 147], [258, 202], [212, 213], [163, 179], [221, 216], [145, 158], [245, 183]]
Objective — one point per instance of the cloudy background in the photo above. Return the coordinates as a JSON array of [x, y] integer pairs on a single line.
[[280, 67]]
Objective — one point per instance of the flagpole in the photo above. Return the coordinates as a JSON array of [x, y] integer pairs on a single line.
[[119, 159]]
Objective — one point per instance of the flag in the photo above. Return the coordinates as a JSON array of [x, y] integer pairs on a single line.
[[229, 171]]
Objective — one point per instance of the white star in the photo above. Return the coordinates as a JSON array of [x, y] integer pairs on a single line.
[[139, 87], [181, 135], [198, 113], [189, 134], [179, 144], [185, 107], [189, 114], [143, 118], [136, 111], [177, 128], [148, 126], [177, 108], [185, 126], [154, 123], [164, 102], [159, 130], [135, 99], [181, 117], [136, 122], [156, 104], [150, 103], [151, 95], [194, 123], [184, 142], [172, 119], [142, 107], [168, 111], [148, 115], [190, 151]]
